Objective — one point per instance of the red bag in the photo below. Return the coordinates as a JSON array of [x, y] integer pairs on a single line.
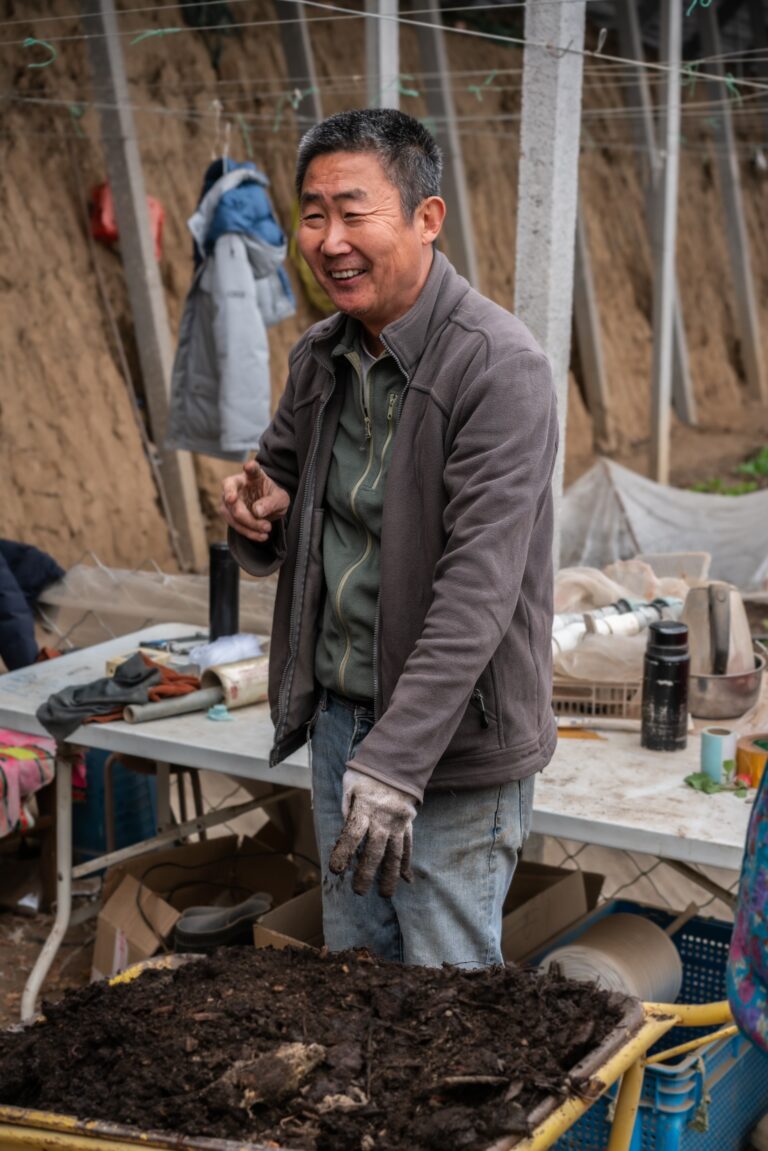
[[104, 224]]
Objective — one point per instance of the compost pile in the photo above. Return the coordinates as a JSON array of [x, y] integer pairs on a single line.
[[308, 1050]]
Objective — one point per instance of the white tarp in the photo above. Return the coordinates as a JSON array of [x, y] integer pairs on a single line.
[[611, 513]]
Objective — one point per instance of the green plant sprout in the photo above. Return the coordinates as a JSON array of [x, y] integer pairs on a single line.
[[719, 487], [755, 468], [738, 784]]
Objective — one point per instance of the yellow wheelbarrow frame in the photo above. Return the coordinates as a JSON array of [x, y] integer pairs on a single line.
[[629, 1064]]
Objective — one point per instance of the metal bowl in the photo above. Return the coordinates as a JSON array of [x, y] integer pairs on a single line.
[[725, 696]]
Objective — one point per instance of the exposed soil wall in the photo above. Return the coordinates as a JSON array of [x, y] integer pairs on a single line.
[[74, 475]]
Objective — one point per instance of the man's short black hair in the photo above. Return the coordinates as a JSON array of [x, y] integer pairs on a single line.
[[408, 153]]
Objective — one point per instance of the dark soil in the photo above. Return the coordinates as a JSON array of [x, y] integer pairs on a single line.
[[305, 1050]]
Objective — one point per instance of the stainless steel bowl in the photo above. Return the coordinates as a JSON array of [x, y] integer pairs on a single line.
[[725, 696]]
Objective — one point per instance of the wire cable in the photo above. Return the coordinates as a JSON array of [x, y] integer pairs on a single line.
[[552, 49]]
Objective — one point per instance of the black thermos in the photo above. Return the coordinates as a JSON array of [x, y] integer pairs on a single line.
[[665, 687], [223, 592]]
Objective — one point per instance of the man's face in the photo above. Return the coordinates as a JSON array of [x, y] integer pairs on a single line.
[[352, 233]]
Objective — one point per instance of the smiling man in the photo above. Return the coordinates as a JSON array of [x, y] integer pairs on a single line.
[[403, 489]]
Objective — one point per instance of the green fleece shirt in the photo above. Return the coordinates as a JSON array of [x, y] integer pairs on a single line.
[[354, 497]]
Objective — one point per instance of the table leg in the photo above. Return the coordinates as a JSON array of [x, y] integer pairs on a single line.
[[63, 885], [163, 778], [46, 806], [716, 889]]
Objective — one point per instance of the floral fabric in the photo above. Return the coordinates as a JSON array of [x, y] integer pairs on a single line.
[[747, 970], [26, 765]]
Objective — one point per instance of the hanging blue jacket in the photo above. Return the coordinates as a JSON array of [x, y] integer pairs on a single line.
[[24, 572], [220, 387]]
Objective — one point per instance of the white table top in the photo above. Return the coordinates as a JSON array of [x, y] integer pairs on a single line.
[[239, 746], [614, 793], [609, 792]]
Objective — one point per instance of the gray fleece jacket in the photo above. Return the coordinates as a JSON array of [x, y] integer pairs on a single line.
[[462, 651]]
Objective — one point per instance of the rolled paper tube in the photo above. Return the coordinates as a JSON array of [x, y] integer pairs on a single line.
[[752, 755], [242, 683], [173, 705], [718, 744], [625, 953]]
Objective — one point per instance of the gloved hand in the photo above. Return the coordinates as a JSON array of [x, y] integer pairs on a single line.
[[385, 815]]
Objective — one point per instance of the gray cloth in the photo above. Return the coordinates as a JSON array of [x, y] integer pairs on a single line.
[[63, 712]]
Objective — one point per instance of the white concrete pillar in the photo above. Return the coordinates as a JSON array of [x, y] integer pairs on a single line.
[[548, 192]]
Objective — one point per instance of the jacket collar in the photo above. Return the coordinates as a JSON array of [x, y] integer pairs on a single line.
[[408, 336]]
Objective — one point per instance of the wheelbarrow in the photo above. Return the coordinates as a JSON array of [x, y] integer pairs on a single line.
[[622, 1056]]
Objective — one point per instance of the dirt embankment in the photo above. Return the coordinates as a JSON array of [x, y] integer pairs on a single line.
[[74, 475]]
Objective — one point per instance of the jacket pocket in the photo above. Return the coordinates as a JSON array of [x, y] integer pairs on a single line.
[[479, 727], [302, 694]]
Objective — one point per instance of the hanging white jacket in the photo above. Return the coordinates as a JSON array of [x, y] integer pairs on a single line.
[[220, 386]]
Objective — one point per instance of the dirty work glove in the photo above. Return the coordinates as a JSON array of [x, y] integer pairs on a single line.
[[383, 814]]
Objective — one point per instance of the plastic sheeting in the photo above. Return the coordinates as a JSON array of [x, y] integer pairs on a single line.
[[95, 602], [611, 513]]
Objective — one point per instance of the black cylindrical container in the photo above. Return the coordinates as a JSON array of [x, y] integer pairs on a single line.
[[665, 687], [223, 592]]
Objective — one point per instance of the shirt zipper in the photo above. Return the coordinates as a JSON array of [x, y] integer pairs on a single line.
[[364, 402], [391, 401], [368, 538]]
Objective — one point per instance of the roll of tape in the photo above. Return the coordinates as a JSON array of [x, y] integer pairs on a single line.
[[752, 755], [625, 953], [718, 745]]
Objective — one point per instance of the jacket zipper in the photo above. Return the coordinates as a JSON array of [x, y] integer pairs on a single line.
[[298, 580], [399, 363], [479, 701], [377, 622]]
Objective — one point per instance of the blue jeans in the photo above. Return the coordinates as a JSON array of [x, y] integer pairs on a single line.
[[465, 850]]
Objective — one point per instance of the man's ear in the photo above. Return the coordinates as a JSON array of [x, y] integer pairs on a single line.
[[431, 215]]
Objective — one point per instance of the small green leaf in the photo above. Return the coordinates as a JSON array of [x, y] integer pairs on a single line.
[[717, 487], [700, 781]]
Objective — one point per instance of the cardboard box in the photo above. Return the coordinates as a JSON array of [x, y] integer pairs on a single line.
[[201, 874], [542, 902], [297, 923], [131, 926], [167, 882]]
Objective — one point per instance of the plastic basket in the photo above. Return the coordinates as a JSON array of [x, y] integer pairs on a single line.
[[711, 1098], [615, 700]]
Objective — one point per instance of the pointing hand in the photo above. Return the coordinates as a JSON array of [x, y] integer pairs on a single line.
[[251, 502]]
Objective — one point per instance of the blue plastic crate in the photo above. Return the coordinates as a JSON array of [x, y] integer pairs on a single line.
[[709, 1099]]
